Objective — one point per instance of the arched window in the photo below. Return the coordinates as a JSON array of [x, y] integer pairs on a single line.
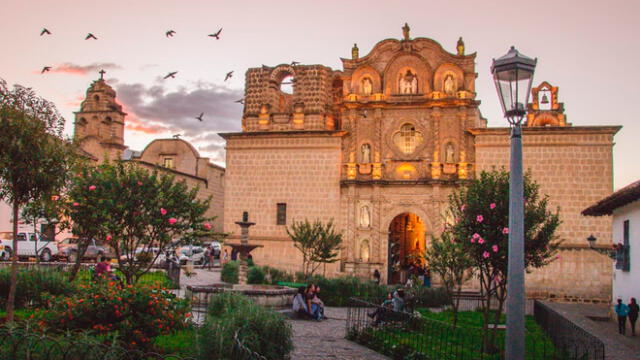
[[286, 85], [96, 98], [408, 138]]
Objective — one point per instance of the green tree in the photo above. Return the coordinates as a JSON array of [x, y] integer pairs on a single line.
[[451, 261], [481, 219], [135, 210], [319, 243], [34, 159]]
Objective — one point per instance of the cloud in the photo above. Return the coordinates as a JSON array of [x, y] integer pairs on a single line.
[[155, 110], [74, 69]]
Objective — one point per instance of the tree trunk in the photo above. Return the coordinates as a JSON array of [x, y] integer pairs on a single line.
[[80, 251], [14, 265], [456, 304]]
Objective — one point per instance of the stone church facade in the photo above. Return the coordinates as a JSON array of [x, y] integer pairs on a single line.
[[378, 146], [99, 130]]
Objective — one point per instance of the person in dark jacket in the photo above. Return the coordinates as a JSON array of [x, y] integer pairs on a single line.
[[633, 315], [622, 310]]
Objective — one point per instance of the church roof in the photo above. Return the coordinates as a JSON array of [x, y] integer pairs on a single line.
[[620, 198]]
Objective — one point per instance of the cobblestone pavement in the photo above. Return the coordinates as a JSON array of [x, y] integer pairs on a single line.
[[617, 347], [325, 340]]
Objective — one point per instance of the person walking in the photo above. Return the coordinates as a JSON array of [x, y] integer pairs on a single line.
[[622, 310], [633, 315], [225, 257]]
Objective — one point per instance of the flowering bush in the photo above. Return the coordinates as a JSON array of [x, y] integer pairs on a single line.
[[135, 314]]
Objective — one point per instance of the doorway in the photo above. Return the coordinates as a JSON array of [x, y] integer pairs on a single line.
[[406, 247]]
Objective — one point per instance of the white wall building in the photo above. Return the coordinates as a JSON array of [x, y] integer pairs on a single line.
[[624, 206]]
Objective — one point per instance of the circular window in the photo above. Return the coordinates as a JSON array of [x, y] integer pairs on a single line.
[[286, 85], [408, 138]]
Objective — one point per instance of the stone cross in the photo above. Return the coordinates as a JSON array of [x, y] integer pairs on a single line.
[[102, 72]]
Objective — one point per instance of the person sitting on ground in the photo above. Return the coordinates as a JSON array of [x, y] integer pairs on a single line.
[[299, 305], [314, 308], [378, 315], [103, 270], [316, 300], [398, 300]]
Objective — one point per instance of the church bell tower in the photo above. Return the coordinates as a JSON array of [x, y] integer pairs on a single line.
[[99, 125]]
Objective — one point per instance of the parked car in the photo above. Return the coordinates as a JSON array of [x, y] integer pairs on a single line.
[[29, 245], [217, 248], [152, 253], [95, 251], [191, 253]]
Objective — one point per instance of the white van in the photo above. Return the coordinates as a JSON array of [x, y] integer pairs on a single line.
[[29, 244]]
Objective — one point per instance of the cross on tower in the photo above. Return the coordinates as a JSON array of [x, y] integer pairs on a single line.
[[102, 72]]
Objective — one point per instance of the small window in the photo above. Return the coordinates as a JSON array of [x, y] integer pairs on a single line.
[[626, 266], [281, 217], [96, 98], [168, 162], [22, 237]]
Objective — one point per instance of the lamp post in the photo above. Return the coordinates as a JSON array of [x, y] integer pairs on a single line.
[[513, 74]]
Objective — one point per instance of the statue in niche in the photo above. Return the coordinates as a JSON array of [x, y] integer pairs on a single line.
[[367, 86], [366, 153], [449, 154], [409, 83], [449, 85], [365, 217], [364, 251]]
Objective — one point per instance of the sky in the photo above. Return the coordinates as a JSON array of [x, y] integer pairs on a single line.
[[589, 49]]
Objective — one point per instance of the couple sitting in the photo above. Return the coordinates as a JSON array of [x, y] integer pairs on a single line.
[[395, 302], [307, 304]]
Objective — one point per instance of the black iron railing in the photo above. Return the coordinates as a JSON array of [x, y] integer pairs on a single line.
[[410, 336], [576, 342]]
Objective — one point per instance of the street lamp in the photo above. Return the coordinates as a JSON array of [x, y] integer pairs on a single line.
[[606, 251], [513, 74]]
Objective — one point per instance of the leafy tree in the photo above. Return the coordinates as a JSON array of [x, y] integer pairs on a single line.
[[135, 210], [34, 159], [451, 261], [481, 213], [319, 243]]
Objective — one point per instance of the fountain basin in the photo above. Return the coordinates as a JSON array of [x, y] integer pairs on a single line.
[[274, 296]]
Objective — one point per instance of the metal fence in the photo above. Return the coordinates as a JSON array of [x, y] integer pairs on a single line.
[[409, 336], [577, 342]]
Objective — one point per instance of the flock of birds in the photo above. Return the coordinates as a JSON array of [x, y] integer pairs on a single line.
[[172, 75]]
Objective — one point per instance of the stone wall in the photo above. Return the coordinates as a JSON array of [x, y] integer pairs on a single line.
[[574, 167]]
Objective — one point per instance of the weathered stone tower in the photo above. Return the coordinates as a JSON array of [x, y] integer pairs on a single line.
[[99, 125]]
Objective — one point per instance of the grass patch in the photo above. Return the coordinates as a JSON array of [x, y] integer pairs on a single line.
[[181, 342], [153, 278]]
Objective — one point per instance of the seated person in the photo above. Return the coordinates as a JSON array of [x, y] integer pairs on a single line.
[[312, 303], [103, 270], [316, 300], [379, 314], [398, 300], [299, 306]]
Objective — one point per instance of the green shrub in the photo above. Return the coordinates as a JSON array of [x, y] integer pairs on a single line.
[[137, 314], [429, 297], [256, 275], [337, 291], [229, 273], [33, 284], [182, 342], [259, 329]]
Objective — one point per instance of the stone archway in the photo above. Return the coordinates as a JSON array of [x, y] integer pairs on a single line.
[[406, 246]]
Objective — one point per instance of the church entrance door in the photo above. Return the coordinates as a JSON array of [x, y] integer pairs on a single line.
[[406, 247]]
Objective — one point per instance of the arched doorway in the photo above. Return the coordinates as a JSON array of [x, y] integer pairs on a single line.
[[406, 246]]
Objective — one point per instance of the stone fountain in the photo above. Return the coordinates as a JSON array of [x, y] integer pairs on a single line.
[[266, 295]]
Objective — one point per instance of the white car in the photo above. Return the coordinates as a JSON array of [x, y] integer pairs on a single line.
[[191, 253], [29, 245]]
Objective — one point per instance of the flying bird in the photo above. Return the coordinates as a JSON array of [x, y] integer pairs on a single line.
[[177, 136], [45, 31], [295, 63], [170, 33], [228, 76], [45, 69], [90, 36], [200, 117], [240, 101], [216, 35], [171, 75]]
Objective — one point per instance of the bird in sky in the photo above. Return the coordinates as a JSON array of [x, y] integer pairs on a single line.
[[200, 117], [295, 63], [45, 31], [228, 76], [171, 75], [240, 101], [90, 36], [216, 34], [45, 69], [177, 136], [169, 33]]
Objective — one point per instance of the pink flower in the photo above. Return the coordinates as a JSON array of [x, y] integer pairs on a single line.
[[505, 230], [463, 207], [163, 211], [486, 254], [76, 204], [476, 236], [492, 205], [108, 238], [479, 218], [139, 183], [473, 240], [480, 241], [207, 226], [495, 248], [55, 197], [92, 187], [173, 221]]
